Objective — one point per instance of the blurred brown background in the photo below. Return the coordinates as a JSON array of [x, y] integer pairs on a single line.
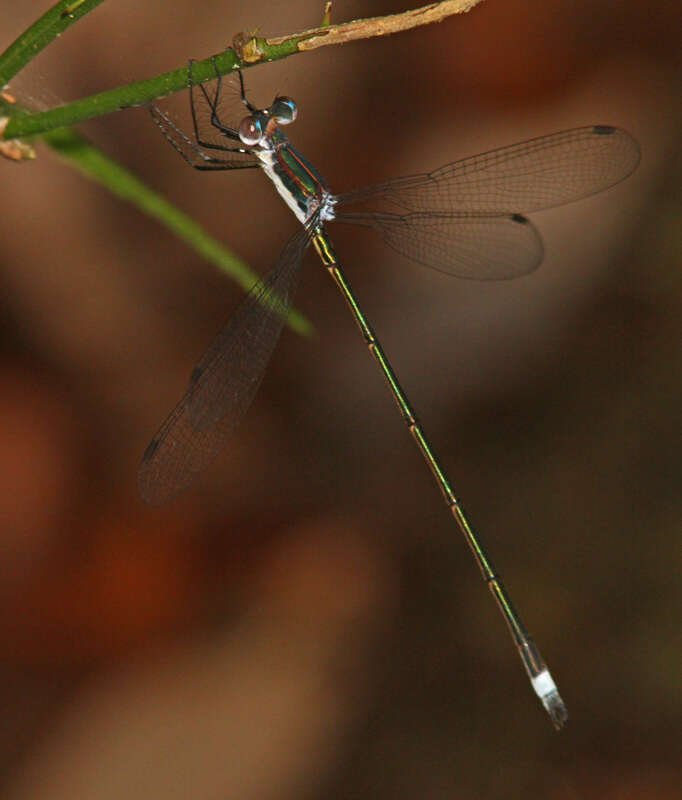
[[306, 621]]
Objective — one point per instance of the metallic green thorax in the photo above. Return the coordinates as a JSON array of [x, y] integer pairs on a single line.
[[298, 182]]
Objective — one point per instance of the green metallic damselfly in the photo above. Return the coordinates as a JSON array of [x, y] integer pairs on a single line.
[[462, 219]]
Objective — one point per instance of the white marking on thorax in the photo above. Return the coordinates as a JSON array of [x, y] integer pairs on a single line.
[[326, 206], [267, 159], [327, 211]]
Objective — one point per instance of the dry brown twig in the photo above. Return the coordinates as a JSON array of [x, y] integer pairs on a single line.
[[376, 26]]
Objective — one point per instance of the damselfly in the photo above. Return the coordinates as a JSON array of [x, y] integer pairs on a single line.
[[464, 219]]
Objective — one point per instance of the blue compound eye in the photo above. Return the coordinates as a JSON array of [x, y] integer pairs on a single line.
[[250, 130], [284, 110]]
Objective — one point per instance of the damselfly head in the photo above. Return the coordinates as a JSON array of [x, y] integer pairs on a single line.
[[284, 110], [250, 130]]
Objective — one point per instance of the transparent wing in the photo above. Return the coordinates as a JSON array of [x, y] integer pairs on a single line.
[[535, 174], [224, 382], [472, 245]]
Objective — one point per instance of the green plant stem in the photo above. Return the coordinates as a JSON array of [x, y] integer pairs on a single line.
[[44, 30], [247, 51], [89, 161], [134, 94]]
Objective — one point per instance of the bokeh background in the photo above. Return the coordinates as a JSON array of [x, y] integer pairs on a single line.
[[306, 621]]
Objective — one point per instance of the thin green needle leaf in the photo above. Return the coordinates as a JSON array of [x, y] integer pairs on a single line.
[[90, 161], [36, 37]]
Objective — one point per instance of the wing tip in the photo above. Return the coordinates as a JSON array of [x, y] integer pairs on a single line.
[[150, 450], [152, 494]]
